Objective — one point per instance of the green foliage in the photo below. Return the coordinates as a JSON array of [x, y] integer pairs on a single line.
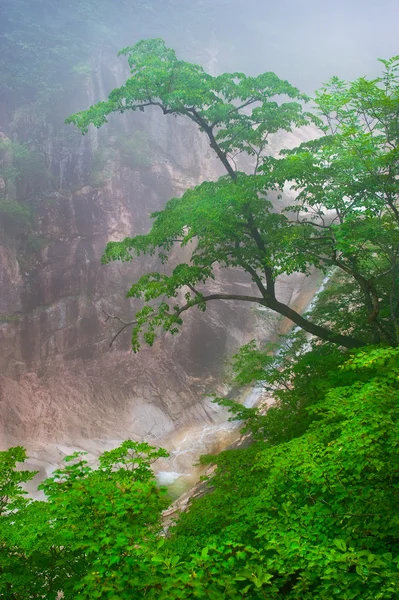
[[36, 244], [100, 173], [332, 305], [134, 154], [352, 170], [12, 496], [20, 161], [9, 318], [307, 513], [23, 173], [13, 502], [135, 151], [297, 377], [90, 532], [178, 87], [346, 183], [321, 507], [28, 161], [16, 214]]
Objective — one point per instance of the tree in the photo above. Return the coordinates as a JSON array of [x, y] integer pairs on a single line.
[[347, 179], [13, 501], [348, 193]]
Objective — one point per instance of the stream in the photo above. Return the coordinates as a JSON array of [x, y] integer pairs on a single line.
[[181, 473]]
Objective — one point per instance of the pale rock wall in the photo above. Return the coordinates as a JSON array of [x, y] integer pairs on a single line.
[[61, 386]]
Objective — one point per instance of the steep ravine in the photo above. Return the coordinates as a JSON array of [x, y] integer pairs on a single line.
[[61, 386]]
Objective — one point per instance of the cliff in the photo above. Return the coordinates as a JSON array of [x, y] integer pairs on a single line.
[[62, 387]]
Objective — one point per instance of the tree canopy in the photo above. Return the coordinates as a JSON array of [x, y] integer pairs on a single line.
[[345, 212]]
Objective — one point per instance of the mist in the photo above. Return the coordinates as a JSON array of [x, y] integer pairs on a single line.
[[195, 250], [305, 41], [309, 41]]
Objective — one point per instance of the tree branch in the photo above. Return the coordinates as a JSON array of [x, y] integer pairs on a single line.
[[270, 285], [285, 311], [235, 109], [125, 324], [201, 299], [213, 143]]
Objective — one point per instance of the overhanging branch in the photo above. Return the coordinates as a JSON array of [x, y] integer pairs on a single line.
[[201, 299], [125, 325]]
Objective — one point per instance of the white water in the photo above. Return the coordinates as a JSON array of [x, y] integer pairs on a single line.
[[212, 438], [180, 472]]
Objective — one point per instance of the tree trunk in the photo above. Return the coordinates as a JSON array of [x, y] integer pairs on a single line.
[[317, 330]]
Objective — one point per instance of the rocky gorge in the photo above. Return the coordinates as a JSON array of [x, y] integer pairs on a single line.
[[62, 386]]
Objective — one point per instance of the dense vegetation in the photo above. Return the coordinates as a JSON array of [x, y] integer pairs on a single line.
[[310, 509]]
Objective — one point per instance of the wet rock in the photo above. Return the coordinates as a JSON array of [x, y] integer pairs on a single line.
[[61, 385]]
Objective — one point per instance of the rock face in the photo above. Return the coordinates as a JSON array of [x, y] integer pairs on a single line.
[[61, 386]]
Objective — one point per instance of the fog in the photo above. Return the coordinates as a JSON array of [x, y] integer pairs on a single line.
[[308, 41], [63, 196], [304, 41]]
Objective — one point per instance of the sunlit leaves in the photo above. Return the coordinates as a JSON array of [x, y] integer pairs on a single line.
[[12, 494], [87, 539]]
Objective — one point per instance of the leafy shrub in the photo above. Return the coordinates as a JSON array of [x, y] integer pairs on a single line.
[[320, 508], [314, 516]]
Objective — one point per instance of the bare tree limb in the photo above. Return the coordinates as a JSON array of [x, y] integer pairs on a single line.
[[125, 324]]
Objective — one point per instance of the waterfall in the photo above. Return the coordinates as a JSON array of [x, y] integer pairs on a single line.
[[181, 474]]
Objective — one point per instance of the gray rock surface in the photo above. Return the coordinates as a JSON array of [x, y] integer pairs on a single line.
[[61, 386]]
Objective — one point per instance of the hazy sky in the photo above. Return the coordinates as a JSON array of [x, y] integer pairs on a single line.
[[305, 41], [308, 41]]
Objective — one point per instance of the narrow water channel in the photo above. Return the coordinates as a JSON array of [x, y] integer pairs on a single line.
[[206, 440]]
